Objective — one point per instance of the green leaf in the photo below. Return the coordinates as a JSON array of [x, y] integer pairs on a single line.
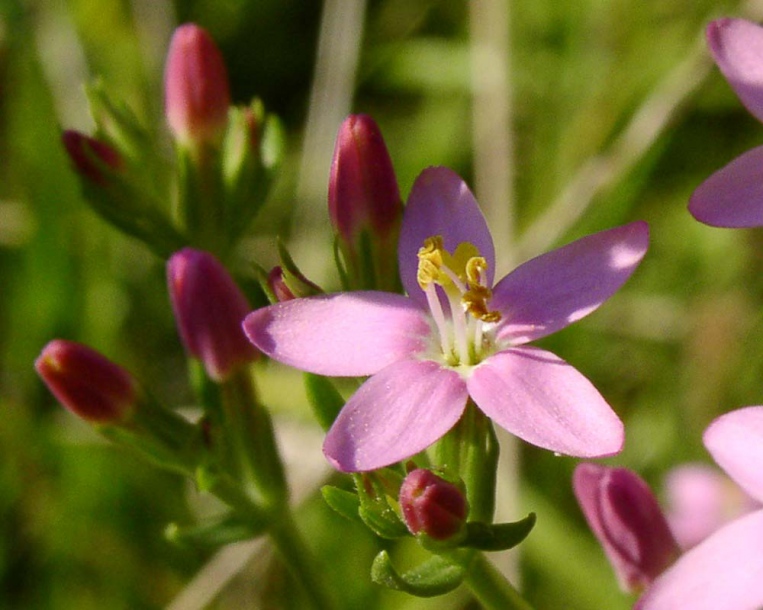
[[344, 502], [375, 509], [436, 576], [498, 536], [324, 398], [218, 532]]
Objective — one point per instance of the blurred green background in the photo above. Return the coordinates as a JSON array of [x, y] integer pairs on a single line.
[[567, 117]]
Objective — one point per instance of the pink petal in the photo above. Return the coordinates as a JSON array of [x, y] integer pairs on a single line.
[[735, 440], [555, 289], [395, 414], [545, 401], [345, 334], [737, 46], [732, 196], [697, 499], [725, 572], [440, 203]]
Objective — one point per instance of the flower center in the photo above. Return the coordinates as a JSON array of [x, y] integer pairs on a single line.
[[462, 318]]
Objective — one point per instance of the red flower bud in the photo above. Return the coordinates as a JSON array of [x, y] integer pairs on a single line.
[[209, 309], [197, 94], [625, 517], [363, 193], [90, 155], [87, 383], [432, 505]]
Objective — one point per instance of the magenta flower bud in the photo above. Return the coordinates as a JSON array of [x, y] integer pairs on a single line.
[[363, 193], [197, 94], [90, 155], [87, 383], [625, 517], [432, 505], [278, 285], [209, 308]]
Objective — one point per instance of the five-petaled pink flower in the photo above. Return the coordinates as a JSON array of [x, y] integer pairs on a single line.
[[456, 336], [725, 571], [733, 196]]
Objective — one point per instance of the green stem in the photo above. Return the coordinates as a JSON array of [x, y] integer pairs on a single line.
[[300, 560], [491, 588]]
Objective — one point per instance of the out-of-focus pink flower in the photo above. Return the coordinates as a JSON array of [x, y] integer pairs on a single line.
[[457, 335], [209, 308], [197, 94], [432, 505], [90, 155], [733, 196], [626, 518], [700, 499], [726, 569], [87, 383]]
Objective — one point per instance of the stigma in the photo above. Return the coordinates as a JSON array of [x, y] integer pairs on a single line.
[[461, 276]]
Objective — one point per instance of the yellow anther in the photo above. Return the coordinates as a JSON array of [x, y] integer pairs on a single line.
[[427, 273], [475, 267]]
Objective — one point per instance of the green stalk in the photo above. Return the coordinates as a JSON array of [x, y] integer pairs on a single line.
[[300, 560], [490, 587]]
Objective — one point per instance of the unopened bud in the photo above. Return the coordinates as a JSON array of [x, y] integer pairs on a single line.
[[626, 518], [432, 505], [364, 198], [209, 308], [87, 383], [90, 156], [197, 93]]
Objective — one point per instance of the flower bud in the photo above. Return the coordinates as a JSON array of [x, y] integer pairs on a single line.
[[90, 156], [364, 197], [197, 94], [209, 308], [625, 517], [87, 383], [431, 505]]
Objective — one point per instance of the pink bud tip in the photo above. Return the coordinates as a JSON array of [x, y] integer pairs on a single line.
[[209, 309], [626, 518], [363, 190], [278, 285], [197, 94], [86, 383], [432, 505], [90, 155]]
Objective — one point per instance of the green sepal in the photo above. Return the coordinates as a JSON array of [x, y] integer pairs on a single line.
[[253, 151], [132, 210], [344, 502], [117, 124], [498, 536], [294, 278], [217, 532], [324, 398], [374, 491], [436, 576]]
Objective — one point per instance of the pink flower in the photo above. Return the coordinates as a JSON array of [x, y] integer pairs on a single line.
[[725, 570], [626, 518], [701, 499], [457, 335], [733, 196]]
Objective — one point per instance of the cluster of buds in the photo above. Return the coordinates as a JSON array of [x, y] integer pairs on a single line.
[[226, 156]]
